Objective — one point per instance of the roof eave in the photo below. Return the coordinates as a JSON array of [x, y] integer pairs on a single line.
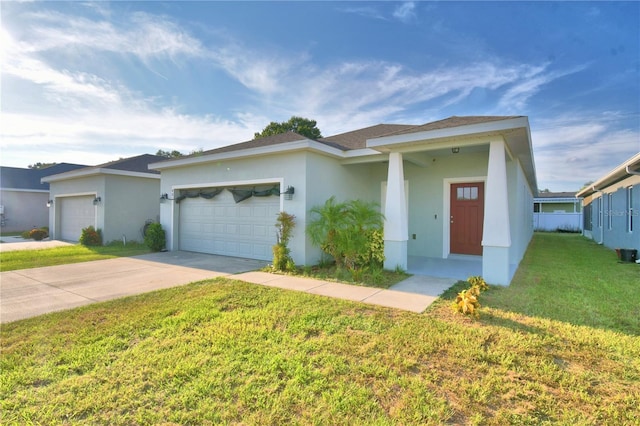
[[95, 172], [287, 147], [615, 175], [449, 132]]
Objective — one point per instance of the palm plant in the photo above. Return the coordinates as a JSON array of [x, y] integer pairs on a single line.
[[325, 228]]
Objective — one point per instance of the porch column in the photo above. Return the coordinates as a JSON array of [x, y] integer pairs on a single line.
[[496, 236], [396, 228]]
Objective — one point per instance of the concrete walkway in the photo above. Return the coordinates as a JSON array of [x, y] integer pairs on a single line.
[[19, 243], [31, 292]]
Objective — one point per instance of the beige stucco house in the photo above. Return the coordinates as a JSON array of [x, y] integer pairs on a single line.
[[116, 197], [455, 189]]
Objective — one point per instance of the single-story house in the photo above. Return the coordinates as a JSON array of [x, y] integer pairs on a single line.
[[461, 187], [23, 197], [117, 197], [612, 207], [557, 211]]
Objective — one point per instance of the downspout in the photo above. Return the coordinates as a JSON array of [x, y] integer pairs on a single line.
[[602, 203]]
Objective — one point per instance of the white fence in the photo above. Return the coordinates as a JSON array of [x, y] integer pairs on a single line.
[[557, 221]]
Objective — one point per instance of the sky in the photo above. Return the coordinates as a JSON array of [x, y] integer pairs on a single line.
[[88, 83]]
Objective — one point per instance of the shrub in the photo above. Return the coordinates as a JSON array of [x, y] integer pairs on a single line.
[[38, 234], [282, 260], [91, 236], [347, 232], [467, 300], [155, 237]]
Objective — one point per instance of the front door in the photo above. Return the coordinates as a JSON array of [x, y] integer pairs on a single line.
[[467, 216]]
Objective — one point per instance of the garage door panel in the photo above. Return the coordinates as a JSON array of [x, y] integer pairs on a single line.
[[244, 230], [76, 213]]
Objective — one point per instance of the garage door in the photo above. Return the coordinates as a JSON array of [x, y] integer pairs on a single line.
[[220, 226], [76, 213]]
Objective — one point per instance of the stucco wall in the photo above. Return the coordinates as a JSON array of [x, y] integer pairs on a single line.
[[90, 185], [127, 203], [615, 207], [286, 168], [520, 211], [24, 210]]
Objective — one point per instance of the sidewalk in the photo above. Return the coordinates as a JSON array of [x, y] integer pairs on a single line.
[[414, 294]]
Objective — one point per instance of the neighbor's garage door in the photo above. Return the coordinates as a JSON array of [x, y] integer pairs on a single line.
[[76, 213], [220, 226]]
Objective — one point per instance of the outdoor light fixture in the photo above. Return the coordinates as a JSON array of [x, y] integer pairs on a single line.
[[97, 201], [288, 194], [164, 197], [49, 203], [455, 150]]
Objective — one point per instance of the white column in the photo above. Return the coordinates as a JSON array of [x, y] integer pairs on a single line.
[[396, 228], [496, 236]]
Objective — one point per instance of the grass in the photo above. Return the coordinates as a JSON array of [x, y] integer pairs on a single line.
[[368, 277], [226, 352], [26, 259]]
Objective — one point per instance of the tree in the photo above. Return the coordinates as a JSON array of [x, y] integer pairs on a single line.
[[169, 154], [299, 125], [40, 165]]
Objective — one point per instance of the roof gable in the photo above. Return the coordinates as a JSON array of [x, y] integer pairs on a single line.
[[357, 139]]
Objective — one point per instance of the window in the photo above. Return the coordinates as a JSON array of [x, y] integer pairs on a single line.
[[600, 212], [610, 211], [630, 211], [467, 193]]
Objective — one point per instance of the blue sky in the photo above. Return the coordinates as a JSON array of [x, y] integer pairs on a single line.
[[92, 82]]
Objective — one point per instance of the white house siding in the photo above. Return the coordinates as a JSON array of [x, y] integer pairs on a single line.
[[85, 186], [127, 203], [24, 209]]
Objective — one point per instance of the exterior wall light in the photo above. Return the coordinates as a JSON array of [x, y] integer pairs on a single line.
[[455, 150], [49, 203], [165, 197], [288, 194], [97, 201]]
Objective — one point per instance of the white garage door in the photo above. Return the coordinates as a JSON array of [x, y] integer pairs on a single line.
[[220, 226], [76, 213]]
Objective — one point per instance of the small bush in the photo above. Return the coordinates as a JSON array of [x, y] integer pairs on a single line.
[[38, 234], [467, 300], [91, 237], [155, 237], [282, 260]]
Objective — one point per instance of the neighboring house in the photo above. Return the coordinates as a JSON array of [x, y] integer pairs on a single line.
[[117, 197], [557, 211], [612, 207], [459, 187], [23, 198]]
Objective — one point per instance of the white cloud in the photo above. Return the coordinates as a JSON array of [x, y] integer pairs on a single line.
[[573, 149], [405, 12]]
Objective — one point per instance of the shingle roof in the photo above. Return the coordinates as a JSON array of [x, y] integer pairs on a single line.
[[19, 178], [456, 121], [254, 143], [357, 139], [552, 195], [139, 164]]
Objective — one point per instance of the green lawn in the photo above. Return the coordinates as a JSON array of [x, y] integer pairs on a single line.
[[25, 259], [226, 352]]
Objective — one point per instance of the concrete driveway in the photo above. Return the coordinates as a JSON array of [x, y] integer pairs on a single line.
[[31, 292]]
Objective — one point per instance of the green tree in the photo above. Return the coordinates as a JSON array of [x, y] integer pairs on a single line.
[[169, 154], [299, 125], [40, 165]]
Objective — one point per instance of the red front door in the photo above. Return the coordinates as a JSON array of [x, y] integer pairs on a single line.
[[467, 215]]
